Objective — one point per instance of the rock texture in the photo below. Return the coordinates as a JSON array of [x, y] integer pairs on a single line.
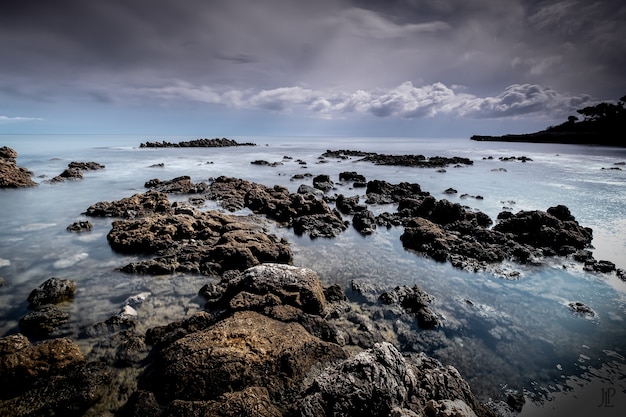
[[52, 291], [74, 171], [29, 373], [12, 176], [196, 143], [138, 205], [178, 185]]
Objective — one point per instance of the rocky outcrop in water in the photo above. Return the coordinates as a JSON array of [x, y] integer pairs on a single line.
[[74, 171], [52, 291], [138, 205], [304, 212], [200, 242], [261, 349], [196, 143], [418, 161], [12, 176], [178, 185]]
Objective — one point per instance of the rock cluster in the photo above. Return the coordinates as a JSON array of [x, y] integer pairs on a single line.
[[12, 176], [183, 239], [304, 212], [196, 143], [260, 350], [178, 185], [419, 161], [74, 171]]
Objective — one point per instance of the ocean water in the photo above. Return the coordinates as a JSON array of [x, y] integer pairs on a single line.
[[501, 334]]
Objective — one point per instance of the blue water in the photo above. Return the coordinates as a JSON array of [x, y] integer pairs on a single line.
[[500, 333]]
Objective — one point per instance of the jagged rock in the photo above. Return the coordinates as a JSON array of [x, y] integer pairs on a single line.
[[178, 185], [86, 166], [80, 226], [272, 284], [416, 301], [364, 222], [52, 291], [323, 182], [45, 320], [74, 171], [196, 143], [581, 309], [349, 205], [12, 176], [351, 176], [138, 205], [379, 381], [242, 351], [200, 242]]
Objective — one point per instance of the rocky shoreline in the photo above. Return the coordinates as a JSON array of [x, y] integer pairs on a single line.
[[196, 143], [271, 340]]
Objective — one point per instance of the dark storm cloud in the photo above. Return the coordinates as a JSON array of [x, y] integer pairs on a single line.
[[393, 58]]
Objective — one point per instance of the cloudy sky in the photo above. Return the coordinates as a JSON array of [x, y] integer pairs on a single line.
[[289, 67]]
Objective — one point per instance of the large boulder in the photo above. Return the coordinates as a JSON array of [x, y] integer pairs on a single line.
[[382, 382], [244, 350], [271, 284], [12, 176]]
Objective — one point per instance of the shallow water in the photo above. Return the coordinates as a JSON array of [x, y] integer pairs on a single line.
[[501, 334]]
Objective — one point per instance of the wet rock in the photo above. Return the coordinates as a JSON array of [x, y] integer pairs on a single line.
[[581, 309], [414, 300], [23, 364], [381, 382], [138, 205], [200, 242], [554, 229], [268, 285], [86, 166], [12, 176], [351, 176], [382, 192], [323, 182], [80, 226], [349, 205], [178, 185], [364, 222], [450, 191], [307, 189], [45, 320], [242, 351], [74, 171], [319, 225], [604, 266], [52, 291]]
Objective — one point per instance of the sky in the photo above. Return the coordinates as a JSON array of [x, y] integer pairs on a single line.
[[213, 68]]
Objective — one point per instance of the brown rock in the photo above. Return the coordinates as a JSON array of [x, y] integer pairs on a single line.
[[12, 176]]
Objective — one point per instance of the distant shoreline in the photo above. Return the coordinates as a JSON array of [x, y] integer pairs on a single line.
[[571, 138]]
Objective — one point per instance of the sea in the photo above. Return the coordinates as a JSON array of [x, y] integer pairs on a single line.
[[503, 334]]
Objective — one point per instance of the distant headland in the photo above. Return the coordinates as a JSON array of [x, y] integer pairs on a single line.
[[196, 143], [603, 124]]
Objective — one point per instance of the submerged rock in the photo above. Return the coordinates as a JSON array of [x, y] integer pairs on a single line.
[[46, 319], [52, 291], [12, 176], [80, 226]]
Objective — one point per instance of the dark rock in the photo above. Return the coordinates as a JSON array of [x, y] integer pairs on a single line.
[[450, 191], [621, 274], [80, 226], [351, 176], [12, 176], [581, 309], [52, 291], [178, 185], [364, 222], [334, 294], [604, 266], [138, 205], [400, 160], [86, 166], [382, 192], [414, 300], [307, 189], [323, 182], [319, 225], [45, 320], [349, 205], [196, 143]]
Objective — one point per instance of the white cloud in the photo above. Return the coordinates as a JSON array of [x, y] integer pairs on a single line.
[[405, 101], [18, 119]]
